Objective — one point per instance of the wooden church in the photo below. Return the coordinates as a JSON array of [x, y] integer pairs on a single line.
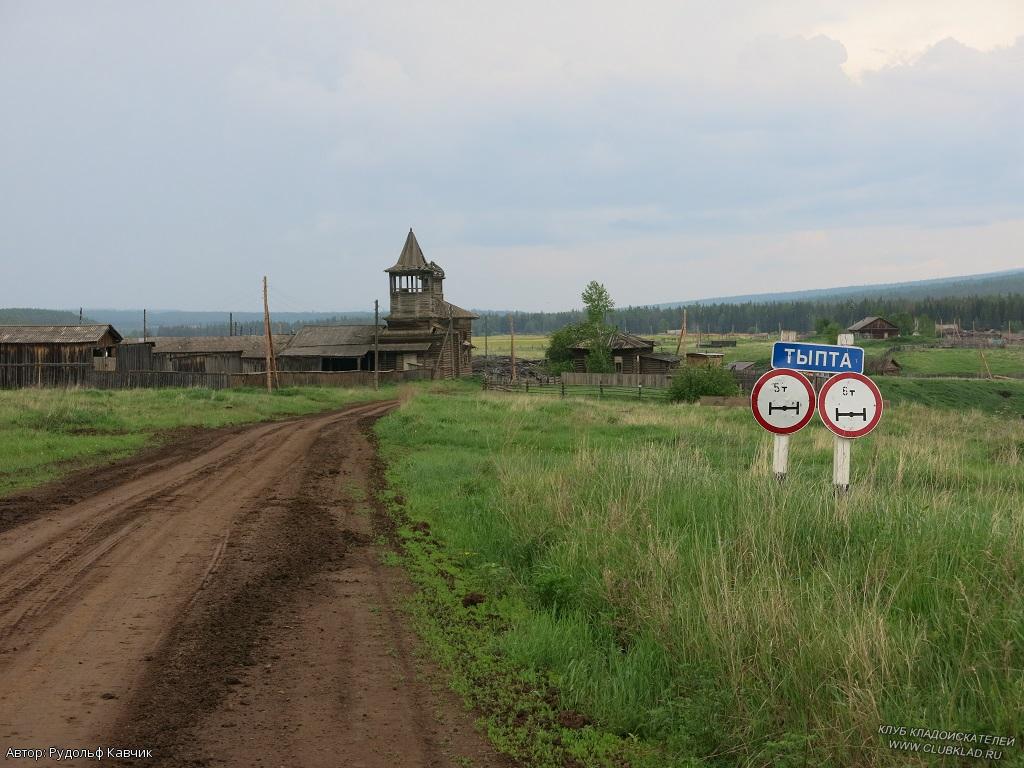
[[422, 331]]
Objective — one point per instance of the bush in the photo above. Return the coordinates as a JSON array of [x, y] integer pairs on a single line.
[[693, 382]]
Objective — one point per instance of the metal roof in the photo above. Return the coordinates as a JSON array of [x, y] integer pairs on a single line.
[[56, 334], [663, 356]]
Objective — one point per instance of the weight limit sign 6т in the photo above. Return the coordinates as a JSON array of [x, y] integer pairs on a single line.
[[783, 403]]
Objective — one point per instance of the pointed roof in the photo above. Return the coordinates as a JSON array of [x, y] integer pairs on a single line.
[[412, 259]]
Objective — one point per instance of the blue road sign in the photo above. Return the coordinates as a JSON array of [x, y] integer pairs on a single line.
[[817, 358]]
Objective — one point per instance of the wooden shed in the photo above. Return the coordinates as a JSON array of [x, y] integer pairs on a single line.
[[214, 354], [630, 354], [874, 328], [54, 355]]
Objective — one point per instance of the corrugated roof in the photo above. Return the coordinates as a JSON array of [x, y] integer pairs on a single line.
[[663, 356], [249, 346], [55, 334]]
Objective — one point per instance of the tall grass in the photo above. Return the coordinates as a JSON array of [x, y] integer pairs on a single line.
[[678, 593]]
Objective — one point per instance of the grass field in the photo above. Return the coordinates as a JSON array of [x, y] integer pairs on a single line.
[[47, 433], [916, 360], [641, 561]]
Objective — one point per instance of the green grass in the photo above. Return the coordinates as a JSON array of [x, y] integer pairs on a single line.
[[641, 561], [961, 362], [45, 433], [528, 346], [1003, 398]]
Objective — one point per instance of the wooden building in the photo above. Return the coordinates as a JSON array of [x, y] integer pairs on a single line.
[[630, 354], [874, 328], [214, 354], [329, 348], [422, 331], [55, 355]]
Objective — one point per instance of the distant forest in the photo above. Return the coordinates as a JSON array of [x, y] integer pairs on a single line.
[[983, 312], [909, 312]]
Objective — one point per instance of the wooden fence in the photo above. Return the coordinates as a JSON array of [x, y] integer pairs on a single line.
[[562, 389], [647, 380], [63, 375]]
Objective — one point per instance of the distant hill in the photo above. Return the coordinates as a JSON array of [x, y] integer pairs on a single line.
[[987, 284], [27, 316]]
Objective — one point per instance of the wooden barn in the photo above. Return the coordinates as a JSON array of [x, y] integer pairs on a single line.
[[329, 348], [55, 355], [630, 354], [874, 328], [214, 354]]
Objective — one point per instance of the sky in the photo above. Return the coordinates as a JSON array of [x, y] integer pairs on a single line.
[[167, 155]]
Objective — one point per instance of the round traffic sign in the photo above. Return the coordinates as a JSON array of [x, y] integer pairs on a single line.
[[782, 401], [850, 404]]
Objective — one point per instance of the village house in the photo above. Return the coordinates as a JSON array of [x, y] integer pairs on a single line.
[[874, 328], [630, 354]]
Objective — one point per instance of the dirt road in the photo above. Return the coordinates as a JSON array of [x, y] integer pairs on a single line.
[[221, 602]]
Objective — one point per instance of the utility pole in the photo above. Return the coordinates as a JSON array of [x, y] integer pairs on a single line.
[[682, 334], [512, 343], [486, 354], [79, 315], [145, 328], [231, 323], [376, 344], [268, 342]]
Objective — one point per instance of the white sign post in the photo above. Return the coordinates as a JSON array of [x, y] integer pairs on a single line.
[[850, 405], [783, 402]]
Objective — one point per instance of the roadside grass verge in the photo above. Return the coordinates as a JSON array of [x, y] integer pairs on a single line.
[[45, 433], [639, 569]]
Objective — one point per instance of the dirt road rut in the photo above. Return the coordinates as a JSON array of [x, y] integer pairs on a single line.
[[224, 608]]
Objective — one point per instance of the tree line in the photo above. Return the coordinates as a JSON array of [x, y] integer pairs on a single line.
[[921, 314]]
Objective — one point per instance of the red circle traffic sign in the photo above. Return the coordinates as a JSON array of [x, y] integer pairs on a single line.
[[850, 404], [782, 401]]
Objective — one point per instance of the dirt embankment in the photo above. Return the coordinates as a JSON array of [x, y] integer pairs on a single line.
[[221, 602]]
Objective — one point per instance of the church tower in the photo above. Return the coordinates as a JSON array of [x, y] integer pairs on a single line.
[[429, 332], [417, 287]]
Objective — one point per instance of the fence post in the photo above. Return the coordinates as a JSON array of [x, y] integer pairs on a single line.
[[639, 391], [563, 389], [600, 390]]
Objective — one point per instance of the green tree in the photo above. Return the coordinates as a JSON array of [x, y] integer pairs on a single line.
[[599, 359], [598, 303], [560, 343]]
